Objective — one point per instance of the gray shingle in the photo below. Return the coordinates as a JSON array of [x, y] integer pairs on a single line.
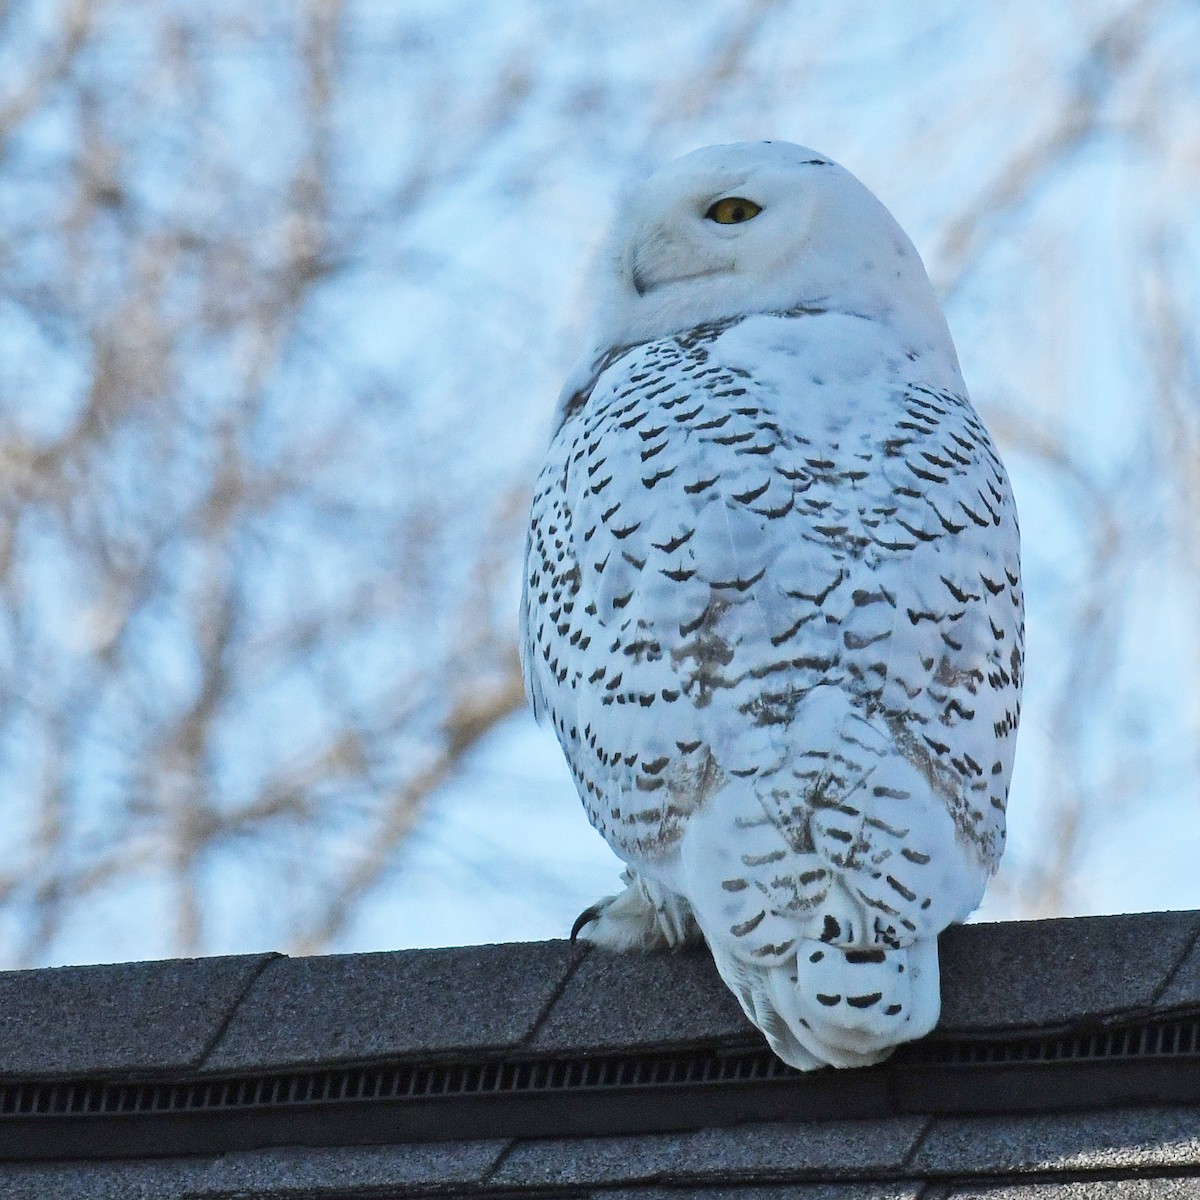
[[1055, 972], [140, 1180], [831, 1149], [295, 1171], [628, 1001], [1155, 1188], [148, 1016], [786, 1191], [414, 1002], [286, 1172], [1183, 987], [1115, 1139]]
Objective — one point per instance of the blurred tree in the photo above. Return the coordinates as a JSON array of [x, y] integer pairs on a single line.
[[220, 594], [286, 291]]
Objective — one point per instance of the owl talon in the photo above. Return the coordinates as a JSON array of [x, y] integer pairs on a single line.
[[585, 918], [644, 916]]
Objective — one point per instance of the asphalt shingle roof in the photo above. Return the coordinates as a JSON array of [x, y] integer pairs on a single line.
[[258, 1011], [157, 1016], [179, 1024], [1043, 973], [1107, 1156], [354, 1007]]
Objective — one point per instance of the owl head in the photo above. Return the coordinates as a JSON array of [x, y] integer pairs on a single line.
[[756, 227]]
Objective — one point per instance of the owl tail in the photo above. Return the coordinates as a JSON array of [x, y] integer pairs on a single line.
[[838, 1006]]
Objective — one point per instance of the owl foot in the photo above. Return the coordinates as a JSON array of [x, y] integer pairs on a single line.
[[644, 916]]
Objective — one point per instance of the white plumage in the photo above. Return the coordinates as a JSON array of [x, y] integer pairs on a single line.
[[772, 601]]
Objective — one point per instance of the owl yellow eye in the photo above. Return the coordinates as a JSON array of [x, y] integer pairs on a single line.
[[733, 210]]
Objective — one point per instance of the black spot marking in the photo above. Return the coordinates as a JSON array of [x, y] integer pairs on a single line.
[[740, 930], [865, 956], [864, 1001]]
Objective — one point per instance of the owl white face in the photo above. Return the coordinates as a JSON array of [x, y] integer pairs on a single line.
[[698, 218], [755, 227]]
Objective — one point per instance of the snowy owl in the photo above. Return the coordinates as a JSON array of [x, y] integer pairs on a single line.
[[772, 599]]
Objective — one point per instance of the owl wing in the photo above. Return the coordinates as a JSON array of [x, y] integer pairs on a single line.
[[776, 615], [631, 564]]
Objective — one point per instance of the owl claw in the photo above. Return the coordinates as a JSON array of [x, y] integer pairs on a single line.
[[644, 916], [585, 918]]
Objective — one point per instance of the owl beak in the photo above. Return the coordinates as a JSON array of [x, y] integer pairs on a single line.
[[648, 259], [659, 258]]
